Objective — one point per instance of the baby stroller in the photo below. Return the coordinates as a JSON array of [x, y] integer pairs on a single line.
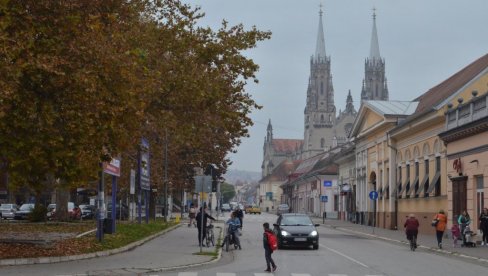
[[468, 237]]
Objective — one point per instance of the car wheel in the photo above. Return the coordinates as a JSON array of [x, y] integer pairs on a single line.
[[316, 246]]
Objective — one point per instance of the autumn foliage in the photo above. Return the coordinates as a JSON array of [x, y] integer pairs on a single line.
[[83, 80]]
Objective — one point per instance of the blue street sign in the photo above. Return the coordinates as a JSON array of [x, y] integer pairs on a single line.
[[327, 183], [373, 195], [324, 198]]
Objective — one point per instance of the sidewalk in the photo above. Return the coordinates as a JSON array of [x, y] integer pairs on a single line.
[[425, 241], [170, 249]]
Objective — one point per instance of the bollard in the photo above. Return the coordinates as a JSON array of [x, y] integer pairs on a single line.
[[177, 219]]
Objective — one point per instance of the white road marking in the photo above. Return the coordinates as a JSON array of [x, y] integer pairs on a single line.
[[226, 274], [337, 274], [297, 274], [345, 256], [264, 274], [188, 274]]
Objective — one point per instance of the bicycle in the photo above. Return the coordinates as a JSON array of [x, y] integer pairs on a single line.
[[413, 243], [210, 238]]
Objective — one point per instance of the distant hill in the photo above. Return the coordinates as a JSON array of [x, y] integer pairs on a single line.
[[235, 176]]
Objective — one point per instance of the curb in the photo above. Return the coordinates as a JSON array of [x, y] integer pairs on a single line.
[[433, 249], [48, 260]]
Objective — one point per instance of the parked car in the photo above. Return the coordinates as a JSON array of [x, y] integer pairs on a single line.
[[294, 229], [282, 209], [74, 211], [24, 211], [7, 210], [120, 212], [88, 211], [252, 209], [226, 207]]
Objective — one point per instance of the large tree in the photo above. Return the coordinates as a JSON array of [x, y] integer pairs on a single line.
[[82, 81]]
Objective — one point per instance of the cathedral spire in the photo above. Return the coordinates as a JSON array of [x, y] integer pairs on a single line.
[[375, 47], [320, 47]]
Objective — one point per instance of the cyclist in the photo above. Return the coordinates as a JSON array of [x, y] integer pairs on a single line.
[[233, 224], [411, 228]]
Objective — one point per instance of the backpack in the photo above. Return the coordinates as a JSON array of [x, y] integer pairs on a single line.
[[272, 241]]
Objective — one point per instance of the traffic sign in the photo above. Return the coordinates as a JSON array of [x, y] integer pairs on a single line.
[[324, 198], [373, 195]]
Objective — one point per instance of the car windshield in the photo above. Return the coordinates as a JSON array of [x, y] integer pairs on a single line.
[[26, 207], [296, 220], [6, 206]]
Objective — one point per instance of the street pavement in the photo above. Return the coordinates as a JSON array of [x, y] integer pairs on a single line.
[[425, 241], [178, 249]]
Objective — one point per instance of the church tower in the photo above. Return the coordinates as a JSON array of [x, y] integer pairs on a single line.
[[374, 83], [320, 111]]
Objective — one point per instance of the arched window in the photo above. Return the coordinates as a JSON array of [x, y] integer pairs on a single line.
[[426, 150], [322, 117]]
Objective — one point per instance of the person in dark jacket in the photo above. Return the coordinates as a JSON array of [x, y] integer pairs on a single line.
[[484, 226], [411, 227], [202, 224], [240, 215], [267, 250]]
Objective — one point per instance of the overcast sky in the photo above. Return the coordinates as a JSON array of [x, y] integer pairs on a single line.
[[423, 43]]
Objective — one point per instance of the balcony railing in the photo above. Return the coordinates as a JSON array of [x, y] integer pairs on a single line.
[[466, 113]]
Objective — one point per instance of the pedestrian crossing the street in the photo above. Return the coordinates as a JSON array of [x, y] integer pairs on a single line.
[[263, 274]]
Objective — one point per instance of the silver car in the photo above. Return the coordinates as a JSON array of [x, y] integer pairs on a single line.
[[8, 210], [283, 209]]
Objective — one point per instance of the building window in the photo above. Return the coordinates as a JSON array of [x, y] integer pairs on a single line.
[[399, 190], [336, 203], [322, 117], [322, 88], [322, 143], [437, 171], [416, 181], [425, 183], [407, 181]]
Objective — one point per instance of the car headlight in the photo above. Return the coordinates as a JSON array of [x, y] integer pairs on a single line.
[[284, 233], [313, 233]]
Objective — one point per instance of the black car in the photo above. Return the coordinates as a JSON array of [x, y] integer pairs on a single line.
[[294, 229], [121, 211], [24, 211], [88, 211]]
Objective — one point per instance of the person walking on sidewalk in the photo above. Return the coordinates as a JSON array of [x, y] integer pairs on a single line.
[[201, 219], [463, 221], [440, 227], [270, 264], [484, 226]]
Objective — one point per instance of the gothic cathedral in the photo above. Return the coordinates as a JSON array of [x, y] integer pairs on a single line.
[[324, 128]]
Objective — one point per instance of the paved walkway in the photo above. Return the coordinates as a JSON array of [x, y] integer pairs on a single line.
[[425, 241]]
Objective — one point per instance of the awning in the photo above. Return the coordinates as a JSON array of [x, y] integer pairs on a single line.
[[422, 185], [412, 186], [435, 181], [404, 187]]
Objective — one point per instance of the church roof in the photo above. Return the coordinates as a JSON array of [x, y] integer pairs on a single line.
[[282, 172], [447, 88], [392, 107], [320, 47], [286, 145], [375, 46]]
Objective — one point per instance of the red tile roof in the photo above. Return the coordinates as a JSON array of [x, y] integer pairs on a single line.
[[283, 170], [286, 145], [451, 85]]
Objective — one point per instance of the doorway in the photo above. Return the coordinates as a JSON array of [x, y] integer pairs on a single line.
[[459, 195]]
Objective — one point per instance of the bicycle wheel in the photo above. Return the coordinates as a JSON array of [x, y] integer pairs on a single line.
[[210, 238]]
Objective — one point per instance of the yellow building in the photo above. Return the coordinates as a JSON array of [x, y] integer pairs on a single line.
[[374, 158], [466, 139], [422, 158]]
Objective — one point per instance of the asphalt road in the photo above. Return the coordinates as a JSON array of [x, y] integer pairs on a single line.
[[339, 254]]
